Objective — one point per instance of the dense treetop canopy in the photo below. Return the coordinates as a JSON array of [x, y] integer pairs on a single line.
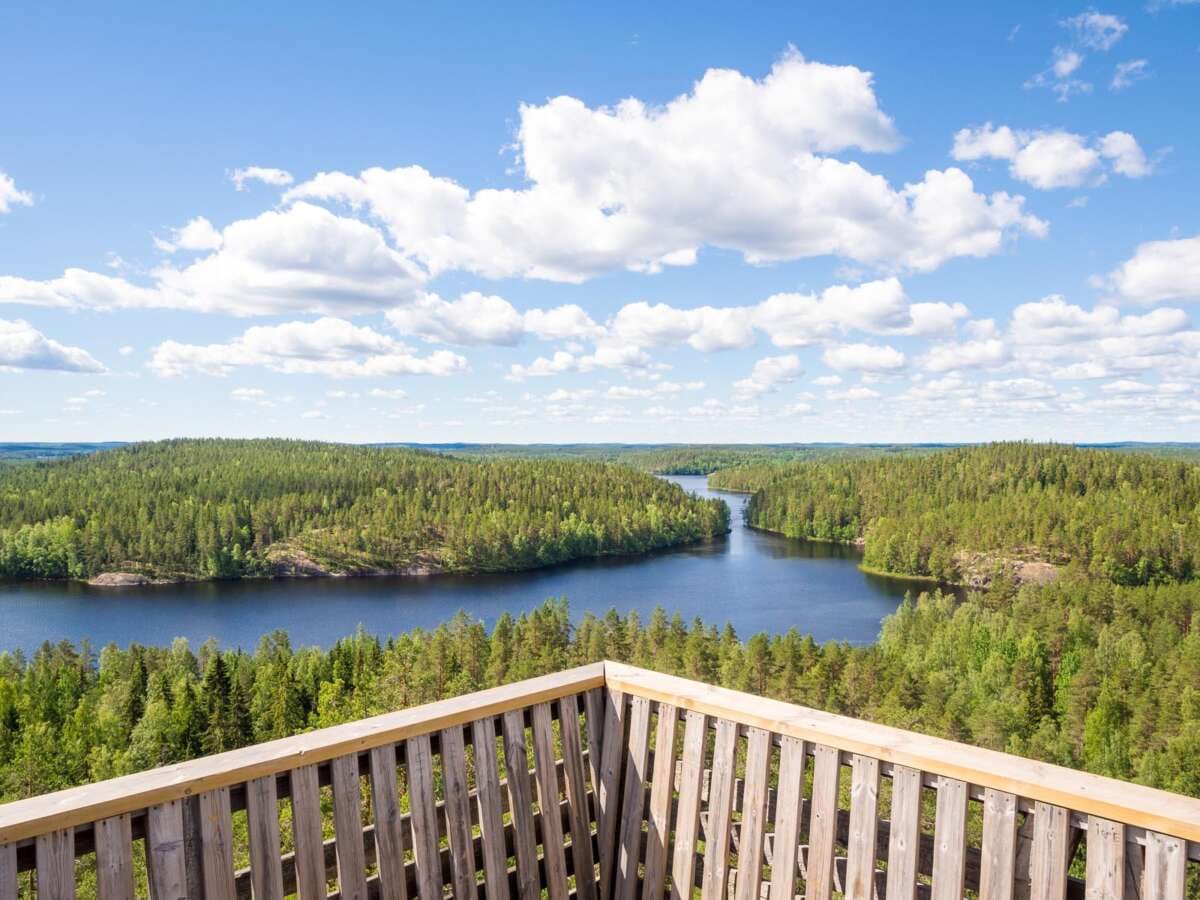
[[230, 508], [1129, 518]]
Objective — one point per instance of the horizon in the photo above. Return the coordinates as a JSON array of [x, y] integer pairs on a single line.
[[584, 227]]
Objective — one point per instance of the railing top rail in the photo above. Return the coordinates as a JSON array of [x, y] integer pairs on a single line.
[[1109, 798], [89, 803]]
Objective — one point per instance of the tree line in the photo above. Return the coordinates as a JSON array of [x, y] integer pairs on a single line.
[[1128, 518], [234, 508], [1081, 673]]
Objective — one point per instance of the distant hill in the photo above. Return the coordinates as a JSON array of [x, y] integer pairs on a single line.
[[1131, 518], [234, 508]]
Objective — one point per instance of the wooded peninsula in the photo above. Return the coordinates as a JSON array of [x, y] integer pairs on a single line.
[[193, 509]]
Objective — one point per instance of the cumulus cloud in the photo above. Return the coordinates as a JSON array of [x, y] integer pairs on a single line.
[[272, 177], [1158, 271], [302, 259], [10, 196], [864, 358], [737, 163], [198, 234], [1090, 30], [769, 373], [328, 346], [24, 347], [1053, 159], [474, 318], [988, 353]]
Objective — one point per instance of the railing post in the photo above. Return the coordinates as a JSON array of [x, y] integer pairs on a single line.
[[193, 849]]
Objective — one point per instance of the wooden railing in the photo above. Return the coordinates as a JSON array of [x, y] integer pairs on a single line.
[[605, 781]]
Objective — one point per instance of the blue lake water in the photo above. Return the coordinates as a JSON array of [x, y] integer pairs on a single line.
[[756, 581]]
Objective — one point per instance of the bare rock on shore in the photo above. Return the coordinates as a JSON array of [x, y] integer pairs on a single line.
[[119, 579], [292, 562], [978, 570]]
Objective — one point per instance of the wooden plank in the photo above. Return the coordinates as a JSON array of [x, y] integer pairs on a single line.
[[389, 835], [1105, 860], [822, 828], [520, 804], [1109, 798], [633, 799], [720, 806], [662, 790], [864, 828], [216, 844], [549, 798], [114, 858], [422, 804], [950, 840], [999, 848], [348, 827], [164, 851], [577, 799], [1165, 874], [193, 859], [132, 793], [457, 804], [491, 806], [904, 838], [262, 813], [788, 809], [608, 793], [8, 872], [594, 711], [754, 815], [687, 815], [1051, 839], [308, 833], [56, 864]]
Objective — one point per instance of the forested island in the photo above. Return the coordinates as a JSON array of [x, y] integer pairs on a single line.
[[950, 514], [195, 509]]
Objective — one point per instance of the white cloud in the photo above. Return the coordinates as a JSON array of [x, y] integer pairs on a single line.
[[827, 380], [1158, 271], [1127, 73], [273, 177], [561, 322], [388, 393], [331, 347], [864, 358], [1096, 30], [126, 350], [474, 318], [24, 347], [1060, 76], [10, 196], [769, 373], [704, 328], [1052, 159], [247, 393], [197, 234], [988, 353], [738, 163], [1053, 321], [1127, 386], [859, 392], [303, 259]]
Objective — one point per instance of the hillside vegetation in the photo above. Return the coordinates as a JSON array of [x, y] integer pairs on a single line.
[[1128, 518], [227, 509]]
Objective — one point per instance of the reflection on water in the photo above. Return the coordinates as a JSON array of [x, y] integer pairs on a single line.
[[755, 580]]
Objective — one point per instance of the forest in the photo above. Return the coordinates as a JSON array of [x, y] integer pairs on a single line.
[[1123, 517], [232, 508], [1083, 673]]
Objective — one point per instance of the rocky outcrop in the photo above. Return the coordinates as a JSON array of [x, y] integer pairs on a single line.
[[979, 570], [120, 579]]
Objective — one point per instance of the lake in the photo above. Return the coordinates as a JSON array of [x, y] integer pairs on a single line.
[[755, 580]]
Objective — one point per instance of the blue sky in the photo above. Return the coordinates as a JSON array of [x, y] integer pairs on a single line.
[[688, 223]]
